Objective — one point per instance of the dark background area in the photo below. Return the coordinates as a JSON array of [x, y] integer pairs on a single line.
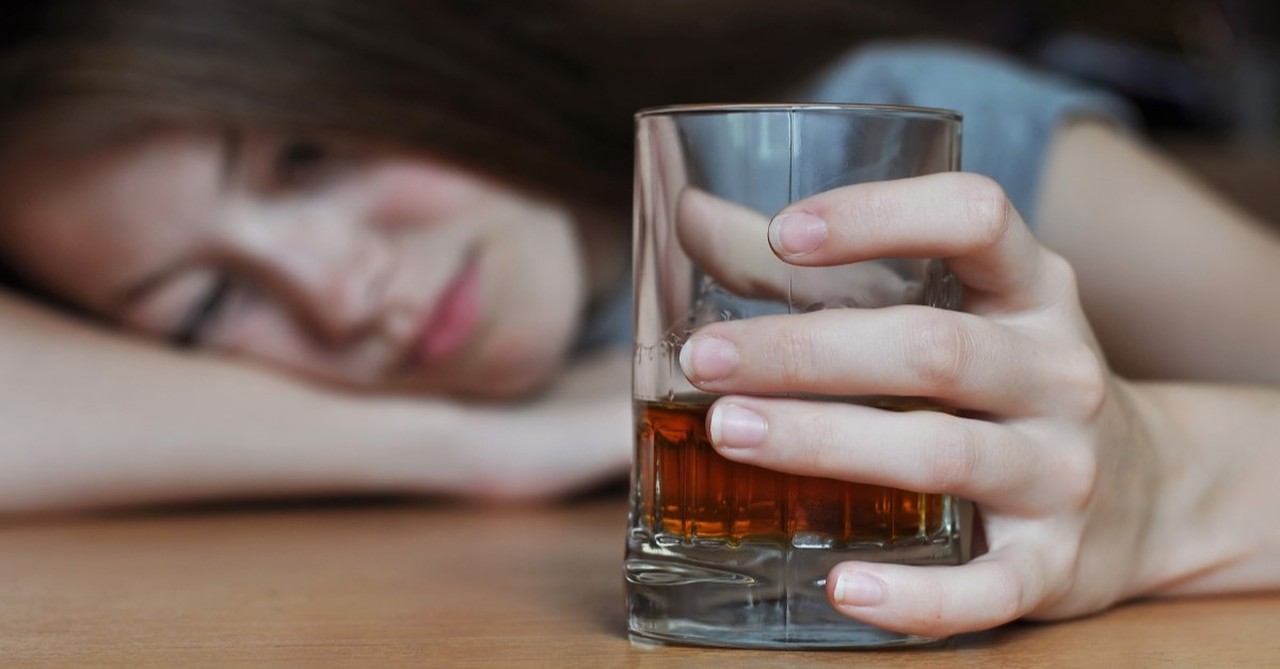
[[1205, 74]]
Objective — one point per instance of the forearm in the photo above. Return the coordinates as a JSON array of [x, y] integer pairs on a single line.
[[1178, 283], [88, 418], [91, 419], [1215, 528]]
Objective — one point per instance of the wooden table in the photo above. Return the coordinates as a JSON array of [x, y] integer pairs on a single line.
[[389, 585]]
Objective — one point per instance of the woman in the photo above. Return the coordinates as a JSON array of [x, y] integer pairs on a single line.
[[409, 200], [487, 122]]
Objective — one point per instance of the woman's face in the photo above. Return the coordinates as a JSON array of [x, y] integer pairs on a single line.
[[368, 270]]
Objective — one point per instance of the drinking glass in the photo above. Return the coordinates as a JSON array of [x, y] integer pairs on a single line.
[[726, 554]]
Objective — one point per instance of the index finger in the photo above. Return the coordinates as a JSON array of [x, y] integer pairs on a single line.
[[963, 218]]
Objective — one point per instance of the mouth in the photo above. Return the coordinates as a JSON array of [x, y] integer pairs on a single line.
[[450, 325]]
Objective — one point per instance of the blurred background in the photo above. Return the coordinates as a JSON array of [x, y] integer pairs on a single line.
[[1205, 74]]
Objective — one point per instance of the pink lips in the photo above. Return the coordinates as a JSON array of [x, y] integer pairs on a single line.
[[450, 325]]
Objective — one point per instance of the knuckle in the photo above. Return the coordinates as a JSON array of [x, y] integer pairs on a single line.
[[1056, 281], [792, 349], [1063, 571], [939, 350], [877, 205], [1092, 384], [826, 441], [987, 209], [953, 459], [1085, 382], [1060, 276], [932, 613], [1009, 595], [1076, 472]]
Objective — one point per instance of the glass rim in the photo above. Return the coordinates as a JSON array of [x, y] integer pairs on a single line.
[[770, 107]]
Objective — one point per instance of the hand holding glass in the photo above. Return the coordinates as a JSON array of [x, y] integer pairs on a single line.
[[722, 553]]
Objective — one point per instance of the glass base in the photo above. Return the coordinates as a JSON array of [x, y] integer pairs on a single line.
[[754, 595]]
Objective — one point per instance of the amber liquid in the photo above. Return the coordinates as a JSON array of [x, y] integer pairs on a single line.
[[690, 491]]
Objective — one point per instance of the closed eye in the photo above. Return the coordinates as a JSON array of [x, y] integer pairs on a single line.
[[204, 314]]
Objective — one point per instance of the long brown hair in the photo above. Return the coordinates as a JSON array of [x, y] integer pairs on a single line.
[[538, 92]]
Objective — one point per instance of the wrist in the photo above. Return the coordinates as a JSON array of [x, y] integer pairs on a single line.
[[1210, 528]]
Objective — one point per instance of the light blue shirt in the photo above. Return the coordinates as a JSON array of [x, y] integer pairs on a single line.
[[1010, 110]]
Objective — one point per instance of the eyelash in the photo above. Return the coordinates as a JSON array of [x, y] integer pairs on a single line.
[[207, 311], [297, 163]]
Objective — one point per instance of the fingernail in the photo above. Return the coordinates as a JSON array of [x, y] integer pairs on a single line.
[[708, 359], [734, 426], [858, 589], [796, 233]]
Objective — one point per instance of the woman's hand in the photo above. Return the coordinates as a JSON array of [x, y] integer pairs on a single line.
[[1047, 442], [575, 436]]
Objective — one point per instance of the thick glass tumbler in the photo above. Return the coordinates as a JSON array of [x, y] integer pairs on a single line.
[[725, 554]]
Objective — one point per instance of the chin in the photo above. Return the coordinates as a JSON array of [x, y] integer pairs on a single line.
[[518, 365], [505, 374], [512, 379]]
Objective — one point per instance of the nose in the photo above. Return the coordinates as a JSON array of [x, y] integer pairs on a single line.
[[324, 266]]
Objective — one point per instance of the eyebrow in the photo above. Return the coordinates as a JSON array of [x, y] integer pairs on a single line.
[[230, 159]]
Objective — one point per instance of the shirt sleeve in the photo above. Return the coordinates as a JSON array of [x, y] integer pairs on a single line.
[[1010, 110]]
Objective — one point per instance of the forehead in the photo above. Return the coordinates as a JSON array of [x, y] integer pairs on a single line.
[[87, 225]]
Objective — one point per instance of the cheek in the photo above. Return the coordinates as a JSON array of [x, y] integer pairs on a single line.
[[271, 336], [77, 250], [541, 310], [411, 191], [555, 257]]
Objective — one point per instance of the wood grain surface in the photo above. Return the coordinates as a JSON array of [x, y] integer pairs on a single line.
[[436, 585]]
